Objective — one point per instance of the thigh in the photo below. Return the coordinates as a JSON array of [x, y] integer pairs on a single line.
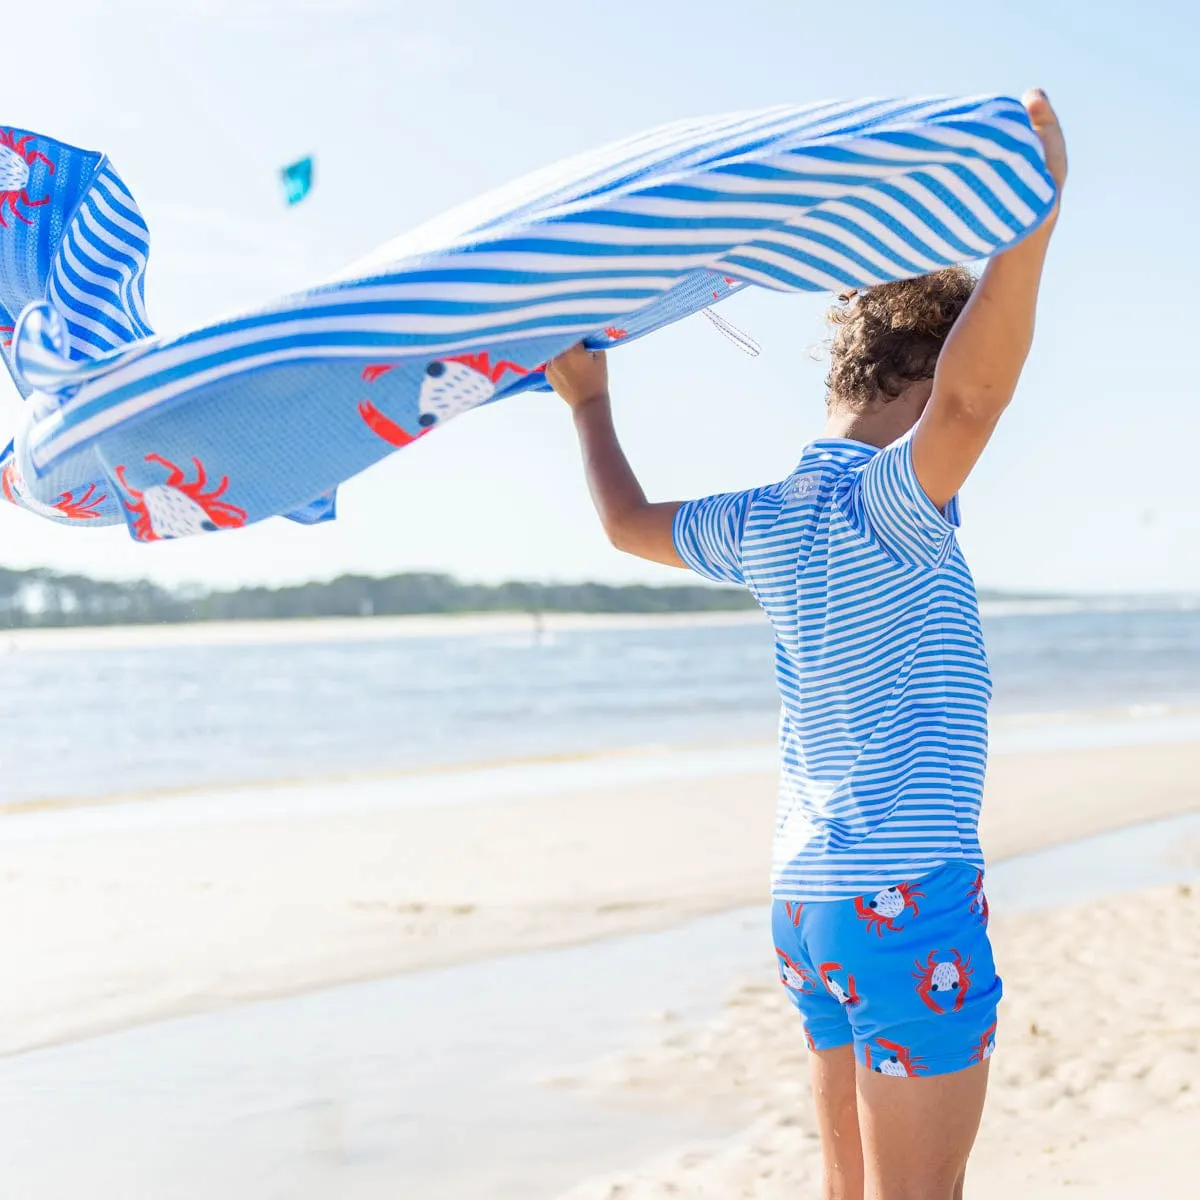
[[835, 1093], [917, 1133]]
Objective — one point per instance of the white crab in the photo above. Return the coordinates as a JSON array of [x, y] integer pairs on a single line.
[[792, 978], [838, 992], [14, 170], [888, 903], [450, 388], [945, 977], [173, 514]]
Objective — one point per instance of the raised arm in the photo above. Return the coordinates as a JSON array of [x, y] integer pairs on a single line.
[[981, 362], [632, 523]]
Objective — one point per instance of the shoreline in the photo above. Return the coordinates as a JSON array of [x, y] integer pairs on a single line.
[[1011, 733], [315, 630]]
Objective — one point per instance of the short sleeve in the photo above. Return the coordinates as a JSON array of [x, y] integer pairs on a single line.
[[708, 535], [896, 510]]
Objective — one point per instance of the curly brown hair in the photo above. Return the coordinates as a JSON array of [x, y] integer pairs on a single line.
[[890, 335]]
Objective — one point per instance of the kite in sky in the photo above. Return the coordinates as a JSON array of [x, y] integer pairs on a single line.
[[297, 180], [265, 413]]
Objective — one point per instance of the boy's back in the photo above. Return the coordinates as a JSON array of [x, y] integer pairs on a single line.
[[879, 658]]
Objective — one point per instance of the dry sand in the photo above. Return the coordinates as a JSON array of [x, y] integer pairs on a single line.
[[111, 928]]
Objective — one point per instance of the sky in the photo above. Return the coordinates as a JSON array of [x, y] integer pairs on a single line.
[[1090, 483]]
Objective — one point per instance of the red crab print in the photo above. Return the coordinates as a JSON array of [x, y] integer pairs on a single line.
[[83, 508], [616, 333], [881, 911], [16, 159], [793, 908], [897, 1060], [808, 1038], [843, 995], [385, 427], [795, 978], [381, 426], [935, 979], [987, 1043], [179, 506], [6, 332], [482, 364]]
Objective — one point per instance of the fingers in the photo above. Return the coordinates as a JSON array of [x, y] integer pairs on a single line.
[[582, 353], [1037, 105], [579, 356], [567, 357], [1045, 124], [563, 361]]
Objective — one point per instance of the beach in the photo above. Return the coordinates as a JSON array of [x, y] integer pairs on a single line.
[[163, 916], [278, 814]]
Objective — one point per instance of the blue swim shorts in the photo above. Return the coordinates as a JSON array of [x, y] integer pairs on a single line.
[[906, 974]]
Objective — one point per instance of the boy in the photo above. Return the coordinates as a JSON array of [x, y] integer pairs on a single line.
[[879, 914]]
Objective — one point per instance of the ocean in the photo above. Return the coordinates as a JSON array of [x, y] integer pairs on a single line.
[[88, 720]]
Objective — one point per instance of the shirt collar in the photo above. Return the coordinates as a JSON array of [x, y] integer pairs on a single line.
[[839, 450]]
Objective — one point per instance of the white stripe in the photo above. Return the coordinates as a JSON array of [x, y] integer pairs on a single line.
[[492, 293], [98, 250], [93, 299], [137, 246]]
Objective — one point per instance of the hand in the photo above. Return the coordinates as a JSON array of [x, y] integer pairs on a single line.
[[579, 376], [1045, 125]]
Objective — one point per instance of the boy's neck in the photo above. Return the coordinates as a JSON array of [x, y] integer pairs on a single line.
[[882, 422]]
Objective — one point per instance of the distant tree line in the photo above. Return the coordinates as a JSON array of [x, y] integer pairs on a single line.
[[39, 598]]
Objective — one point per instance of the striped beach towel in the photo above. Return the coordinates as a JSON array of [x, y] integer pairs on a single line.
[[265, 413]]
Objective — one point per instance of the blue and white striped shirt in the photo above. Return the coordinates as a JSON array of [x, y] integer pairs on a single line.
[[880, 662]]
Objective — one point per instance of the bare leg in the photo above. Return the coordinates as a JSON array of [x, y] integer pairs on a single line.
[[917, 1133], [835, 1093]]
